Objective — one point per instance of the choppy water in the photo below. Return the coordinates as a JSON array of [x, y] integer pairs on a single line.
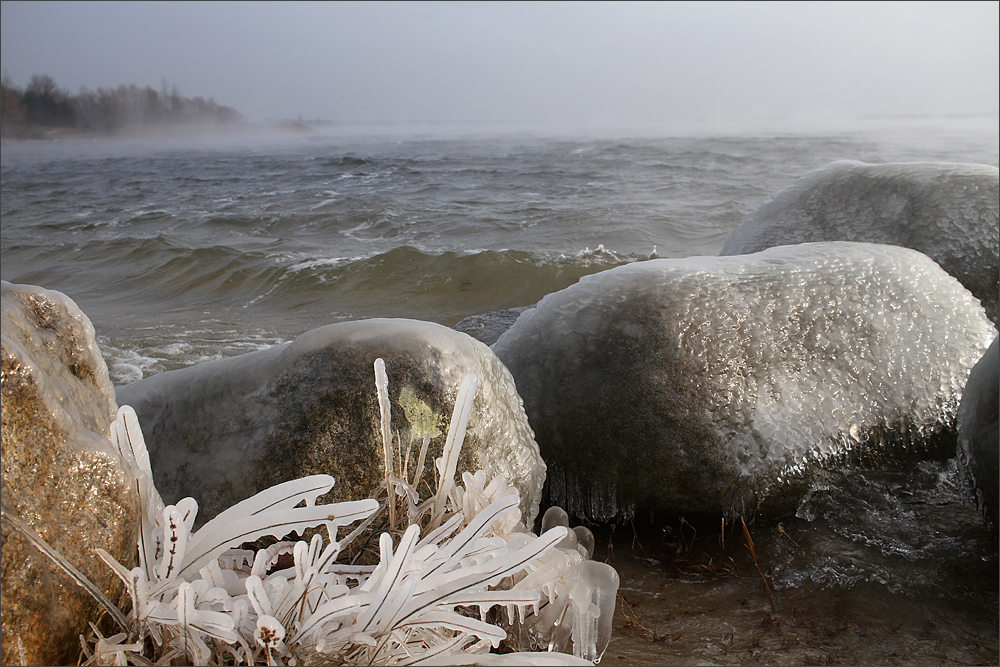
[[182, 252]]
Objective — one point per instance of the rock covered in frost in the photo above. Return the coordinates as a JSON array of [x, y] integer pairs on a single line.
[[702, 384], [979, 432], [61, 475], [224, 430], [946, 211]]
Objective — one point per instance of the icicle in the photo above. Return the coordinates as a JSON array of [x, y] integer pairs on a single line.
[[453, 444], [385, 409]]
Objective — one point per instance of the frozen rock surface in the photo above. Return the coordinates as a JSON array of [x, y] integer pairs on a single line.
[[224, 430], [979, 432], [946, 211], [61, 475], [713, 383]]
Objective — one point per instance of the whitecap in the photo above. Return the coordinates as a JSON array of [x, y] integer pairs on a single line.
[[122, 373], [322, 204]]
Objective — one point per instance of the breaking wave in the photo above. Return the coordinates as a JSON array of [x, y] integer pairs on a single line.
[[402, 282]]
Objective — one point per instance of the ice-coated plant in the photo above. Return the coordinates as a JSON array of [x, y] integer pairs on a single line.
[[462, 577]]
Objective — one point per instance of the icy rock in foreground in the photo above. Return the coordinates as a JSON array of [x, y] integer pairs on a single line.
[[704, 384], [61, 476], [946, 211], [224, 430], [979, 432]]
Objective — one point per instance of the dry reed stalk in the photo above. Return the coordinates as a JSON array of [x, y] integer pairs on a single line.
[[753, 555]]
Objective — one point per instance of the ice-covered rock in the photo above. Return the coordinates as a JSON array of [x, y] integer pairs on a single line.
[[61, 476], [707, 383], [224, 430], [946, 211], [979, 432]]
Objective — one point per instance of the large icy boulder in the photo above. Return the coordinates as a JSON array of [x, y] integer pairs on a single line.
[[224, 430], [62, 477], [946, 211], [979, 432], [714, 383]]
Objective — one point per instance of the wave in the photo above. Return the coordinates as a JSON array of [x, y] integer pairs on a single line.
[[221, 302], [442, 287], [163, 274]]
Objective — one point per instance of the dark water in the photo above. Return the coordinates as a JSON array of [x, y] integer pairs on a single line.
[[875, 568], [184, 252]]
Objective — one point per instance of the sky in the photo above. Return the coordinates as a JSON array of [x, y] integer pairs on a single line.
[[601, 63]]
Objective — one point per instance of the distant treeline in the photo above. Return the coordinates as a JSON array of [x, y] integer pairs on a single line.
[[42, 105]]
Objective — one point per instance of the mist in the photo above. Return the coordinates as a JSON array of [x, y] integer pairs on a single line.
[[609, 66]]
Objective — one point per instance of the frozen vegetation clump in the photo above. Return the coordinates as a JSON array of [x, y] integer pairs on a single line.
[[456, 574]]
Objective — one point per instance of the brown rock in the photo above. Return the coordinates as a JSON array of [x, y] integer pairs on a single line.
[[61, 475]]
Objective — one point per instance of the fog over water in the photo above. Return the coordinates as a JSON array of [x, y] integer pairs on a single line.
[[588, 65]]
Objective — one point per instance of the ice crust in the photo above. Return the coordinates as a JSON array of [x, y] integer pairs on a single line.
[[62, 476], [582, 594], [56, 339], [704, 384], [210, 428], [947, 211]]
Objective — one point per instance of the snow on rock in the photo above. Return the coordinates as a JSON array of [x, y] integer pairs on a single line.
[[713, 383], [979, 432], [946, 211], [224, 430], [61, 476]]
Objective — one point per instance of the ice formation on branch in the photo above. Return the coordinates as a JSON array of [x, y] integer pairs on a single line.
[[462, 576]]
